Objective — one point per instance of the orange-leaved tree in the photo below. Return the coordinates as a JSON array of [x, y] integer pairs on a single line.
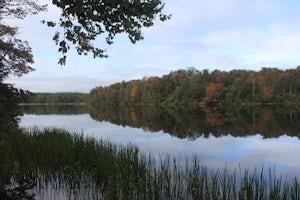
[[213, 92]]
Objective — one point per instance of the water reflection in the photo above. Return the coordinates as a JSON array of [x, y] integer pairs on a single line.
[[270, 122], [231, 138], [54, 109], [55, 164]]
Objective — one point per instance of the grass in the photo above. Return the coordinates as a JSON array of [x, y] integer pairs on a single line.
[[57, 163]]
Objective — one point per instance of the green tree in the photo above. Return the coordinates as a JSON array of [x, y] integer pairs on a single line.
[[82, 21], [19, 9], [15, 54]]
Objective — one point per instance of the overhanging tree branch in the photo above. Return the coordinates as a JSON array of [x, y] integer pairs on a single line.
[[83, 21]]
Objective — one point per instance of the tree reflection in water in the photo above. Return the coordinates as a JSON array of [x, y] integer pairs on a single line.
[[10, 186], [54, 164], [270, 122]]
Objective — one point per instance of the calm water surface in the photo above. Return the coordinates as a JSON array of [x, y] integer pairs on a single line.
[[215, 149]]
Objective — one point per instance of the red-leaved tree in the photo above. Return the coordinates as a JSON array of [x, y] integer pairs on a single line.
[[213, 92]]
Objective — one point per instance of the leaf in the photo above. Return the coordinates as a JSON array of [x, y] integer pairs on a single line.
[[51, 24], [62, 61]]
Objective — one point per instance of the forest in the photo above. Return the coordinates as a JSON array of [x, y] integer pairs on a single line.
[[56, 98], [192, 88]]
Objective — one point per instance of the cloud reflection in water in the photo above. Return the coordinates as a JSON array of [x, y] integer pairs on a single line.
[[214, 152]]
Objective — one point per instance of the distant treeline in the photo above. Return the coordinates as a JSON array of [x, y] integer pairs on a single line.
[[191, 87], [55, 109], [57, 98]]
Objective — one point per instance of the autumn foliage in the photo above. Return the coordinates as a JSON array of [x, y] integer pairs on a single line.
[[191, 88], [213, 92]]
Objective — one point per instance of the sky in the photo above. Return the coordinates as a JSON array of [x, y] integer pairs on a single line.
[[204, 34]]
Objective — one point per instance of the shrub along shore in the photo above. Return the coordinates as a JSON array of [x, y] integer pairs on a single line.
[[52, 163]]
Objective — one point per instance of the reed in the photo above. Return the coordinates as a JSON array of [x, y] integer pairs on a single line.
[[56, 163]]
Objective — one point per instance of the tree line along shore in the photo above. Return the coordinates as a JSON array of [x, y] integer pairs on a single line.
[[193, 88], [190, 88]]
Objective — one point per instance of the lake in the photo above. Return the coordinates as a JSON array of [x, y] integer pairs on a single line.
[[230, 138]]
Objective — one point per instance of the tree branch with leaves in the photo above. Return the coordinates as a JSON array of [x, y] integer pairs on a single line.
[[15, 54], [83, 21]]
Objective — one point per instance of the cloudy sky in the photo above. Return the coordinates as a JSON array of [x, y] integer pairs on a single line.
[[205, 34]]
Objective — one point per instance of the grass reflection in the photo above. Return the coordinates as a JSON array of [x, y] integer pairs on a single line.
[[54, 163]]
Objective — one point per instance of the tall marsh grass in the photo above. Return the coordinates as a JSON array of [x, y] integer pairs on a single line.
[[57, 164]]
